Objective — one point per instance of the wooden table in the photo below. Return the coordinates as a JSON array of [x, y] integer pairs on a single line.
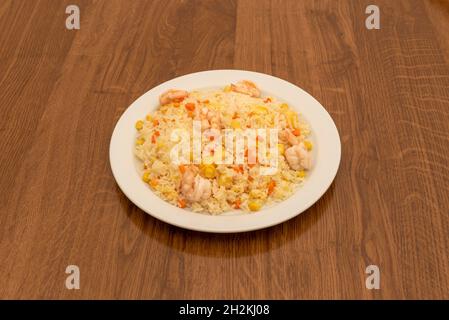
[[62, 92]]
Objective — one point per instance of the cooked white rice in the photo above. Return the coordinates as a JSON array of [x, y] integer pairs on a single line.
[[232, 187]]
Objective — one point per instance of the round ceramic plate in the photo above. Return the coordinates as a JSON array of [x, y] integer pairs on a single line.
[[326, 155]]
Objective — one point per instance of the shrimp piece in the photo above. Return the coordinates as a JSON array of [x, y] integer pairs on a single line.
[[208, 118], [288, 136], [298, 157], [194, 187], [172, 95], [246, 87]]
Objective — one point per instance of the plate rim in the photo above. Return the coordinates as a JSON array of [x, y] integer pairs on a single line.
[[221, 223]]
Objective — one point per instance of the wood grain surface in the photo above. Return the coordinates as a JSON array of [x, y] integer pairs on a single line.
[[62, 91]]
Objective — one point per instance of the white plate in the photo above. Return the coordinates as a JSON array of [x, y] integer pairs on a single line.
[[326, 154]]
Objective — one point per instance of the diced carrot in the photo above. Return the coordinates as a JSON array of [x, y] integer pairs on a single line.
[[271, 186], [176, 104], [297, 132], [206, 101], [154, 182], [153, 139], [238, 169], [157, 133], [190, 106], [155, 122], [237, 204], [182, 169], [250, 179], [267, 100], [211, 138], [235, 116], [181, 203], [190, 114]]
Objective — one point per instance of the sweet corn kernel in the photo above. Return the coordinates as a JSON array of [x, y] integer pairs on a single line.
[[146, 177], [140, 141], [208, 171], [254, 205], [281, 148], [227, 88], [139, 125], [308, 145], [260, 109], [301, 173], [235, 124], [149, 117], [225, 181], [284, 106]]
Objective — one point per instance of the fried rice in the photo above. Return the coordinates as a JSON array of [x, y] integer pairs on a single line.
[[232, 186]]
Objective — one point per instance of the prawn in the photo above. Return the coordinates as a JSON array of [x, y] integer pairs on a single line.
[[298, 157], [208, 118], [172, 95], [193, 186], [287, 135], [246, 87]]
